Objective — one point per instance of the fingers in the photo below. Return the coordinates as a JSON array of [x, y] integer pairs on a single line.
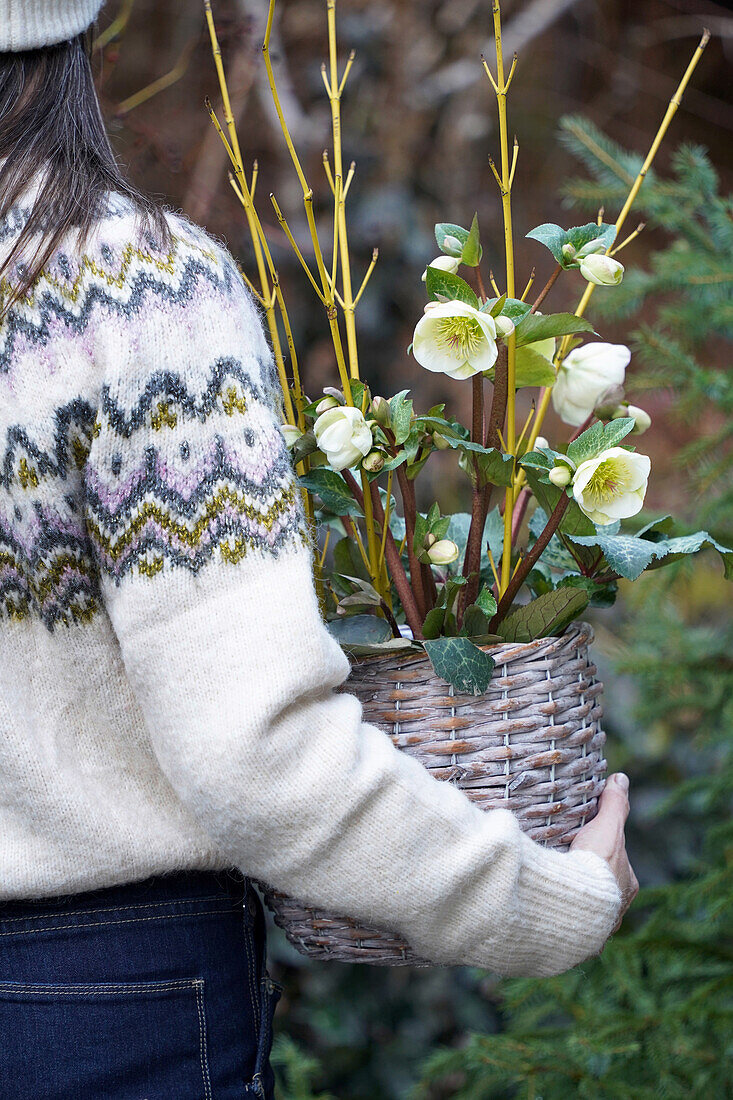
[[614, 802]]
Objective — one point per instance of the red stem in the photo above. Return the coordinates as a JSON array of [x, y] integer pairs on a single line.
[[396, 568], [409, 505], [529, 561], [546, 289], [519, 510]]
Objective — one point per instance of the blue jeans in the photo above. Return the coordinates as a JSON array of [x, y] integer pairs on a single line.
[[156, 990]]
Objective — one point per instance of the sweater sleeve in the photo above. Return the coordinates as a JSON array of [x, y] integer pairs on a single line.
[[205, 571]]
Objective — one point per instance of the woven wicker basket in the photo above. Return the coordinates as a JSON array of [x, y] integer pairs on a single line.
[[532, 744]]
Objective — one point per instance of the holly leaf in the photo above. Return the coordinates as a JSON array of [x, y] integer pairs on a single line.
[[493, 466], [549, 614], [444, 284], [460, 663]]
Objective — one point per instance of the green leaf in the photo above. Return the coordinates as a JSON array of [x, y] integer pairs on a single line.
[[400, 413], [532, 369], [446, 229], [551, 236], [332, 489], [574, 522], [444, 284], [582, 235], [548, 614], [598, 438], [471, 255], [512, 308], [347, 560], [534, 328], [359, 630], [303, 447], [475, 622], [379, 649], [494, 467], [599, 595], [460, 663], [498, 305], [433, 624], [486, 601], [629, 555]]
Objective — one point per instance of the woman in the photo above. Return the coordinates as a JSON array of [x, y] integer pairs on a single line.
[[169, 727]]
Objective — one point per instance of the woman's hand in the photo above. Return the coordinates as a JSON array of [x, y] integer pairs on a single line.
[[604, 835]]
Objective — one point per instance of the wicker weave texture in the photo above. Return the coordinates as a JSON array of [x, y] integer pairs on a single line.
[[532, 743]]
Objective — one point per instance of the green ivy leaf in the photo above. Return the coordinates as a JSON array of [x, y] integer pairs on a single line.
[[332, 489], [444, 284], [548, 614], [534, 328], [460, 663], [532, 369], [472, 252]]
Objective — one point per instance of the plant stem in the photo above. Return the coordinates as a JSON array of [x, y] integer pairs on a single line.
[[529, 561], [546, 289], [397, 570], [653, 149], [410, 509], [519, 512]]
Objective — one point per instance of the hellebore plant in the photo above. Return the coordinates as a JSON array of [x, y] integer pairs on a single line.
[[543, 538]]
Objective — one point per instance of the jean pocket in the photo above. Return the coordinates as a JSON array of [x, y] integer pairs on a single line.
[[111, 1041]]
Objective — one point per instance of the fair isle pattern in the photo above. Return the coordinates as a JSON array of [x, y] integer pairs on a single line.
[[148, 470], [122, 284], [198, 493]]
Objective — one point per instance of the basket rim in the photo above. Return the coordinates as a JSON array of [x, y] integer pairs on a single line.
[[578, 631]]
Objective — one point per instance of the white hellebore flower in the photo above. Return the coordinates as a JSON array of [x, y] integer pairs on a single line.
[[343, 435], [445, 263], [455, 339], [584, 377], [601, 270], [443, 552], [612, 486]]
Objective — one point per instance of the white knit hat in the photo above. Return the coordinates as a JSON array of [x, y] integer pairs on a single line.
[[29, 24]]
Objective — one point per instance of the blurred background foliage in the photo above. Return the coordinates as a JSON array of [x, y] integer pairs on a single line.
[[652, 1016]]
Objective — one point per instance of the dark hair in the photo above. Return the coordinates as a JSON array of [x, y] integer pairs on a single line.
[[51, 127]]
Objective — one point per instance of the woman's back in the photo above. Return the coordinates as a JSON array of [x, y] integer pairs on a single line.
[[138, 337]]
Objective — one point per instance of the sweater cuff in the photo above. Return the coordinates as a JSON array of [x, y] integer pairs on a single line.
[[567, 905]]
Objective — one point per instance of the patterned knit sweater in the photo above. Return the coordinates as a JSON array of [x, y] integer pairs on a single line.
[[166, 684]]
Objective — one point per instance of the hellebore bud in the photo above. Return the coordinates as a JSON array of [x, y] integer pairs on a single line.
[[440, 442], [442, 552], [325, 404], [560, 476], [452, 244], [373, 462], [504, 326], [541, 443], [443, 263], [601, 270], [642, 419], [380, 410], [291, 434], [568, 251]]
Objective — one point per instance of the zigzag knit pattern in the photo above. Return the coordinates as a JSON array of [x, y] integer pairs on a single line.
[[145, 468]]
